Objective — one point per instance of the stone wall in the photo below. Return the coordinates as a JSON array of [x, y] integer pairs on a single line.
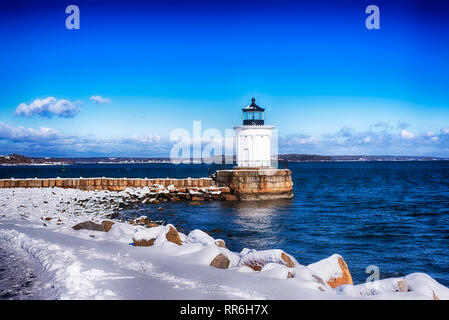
[[257, 184], [112, 184]]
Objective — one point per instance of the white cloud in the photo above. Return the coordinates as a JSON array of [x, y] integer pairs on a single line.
[[8, 132], [407, 135], [99, 99], [48, 107]]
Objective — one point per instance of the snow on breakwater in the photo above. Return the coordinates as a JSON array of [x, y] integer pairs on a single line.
[[112, 184], [91, 264]]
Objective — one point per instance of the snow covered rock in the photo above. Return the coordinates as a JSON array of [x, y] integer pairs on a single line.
[[402, 286], [333, 270], [158, 236], [220, 243], [199, 236], [424, 284], [220, 262], [256, 260], [143, 221], [105, 226]]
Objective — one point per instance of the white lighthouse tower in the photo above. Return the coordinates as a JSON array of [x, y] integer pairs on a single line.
[[253, 138]]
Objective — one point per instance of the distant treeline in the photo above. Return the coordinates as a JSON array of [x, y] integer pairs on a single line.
[[15, 158], [303, 157], [313, 157]]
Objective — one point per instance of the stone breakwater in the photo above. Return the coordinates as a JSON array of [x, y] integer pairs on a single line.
[[228, 185], [111, 184], [152, 190]]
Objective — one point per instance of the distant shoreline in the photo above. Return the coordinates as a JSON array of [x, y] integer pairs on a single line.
[[20, 160], [168, 162]]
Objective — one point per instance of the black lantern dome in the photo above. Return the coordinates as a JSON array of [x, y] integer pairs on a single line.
[[253, 114]]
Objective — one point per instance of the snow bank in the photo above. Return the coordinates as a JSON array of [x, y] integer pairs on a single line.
[[88, 264]]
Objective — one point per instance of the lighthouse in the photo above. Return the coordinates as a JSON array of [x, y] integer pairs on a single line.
[[253, 138], [254, 178]]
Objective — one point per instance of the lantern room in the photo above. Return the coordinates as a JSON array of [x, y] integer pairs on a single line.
[[253, 114]]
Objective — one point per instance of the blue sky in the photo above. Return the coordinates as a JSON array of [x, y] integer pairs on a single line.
[[328, 84]]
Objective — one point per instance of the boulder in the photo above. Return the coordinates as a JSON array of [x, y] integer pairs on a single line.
[[173, 236], [287, 261], [156, 236], [107, 225], [435, 297], [256, 260], [145, 221], [230, 197], [220, 243], [220, 262], [89, 225], [402, 286], [143, 242], [333, 270], [216, 197]]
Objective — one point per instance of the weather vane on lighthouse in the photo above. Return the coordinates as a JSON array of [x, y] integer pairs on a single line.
[[253, 138]]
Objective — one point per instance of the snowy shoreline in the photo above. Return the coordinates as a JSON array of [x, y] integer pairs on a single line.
[[87, 264]]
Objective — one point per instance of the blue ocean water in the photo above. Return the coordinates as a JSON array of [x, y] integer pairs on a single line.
[[394, 215]]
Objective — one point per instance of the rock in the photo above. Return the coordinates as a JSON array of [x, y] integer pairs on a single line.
[[48, 219], [195, 203], [288, 262], [156, 236], [230, 197], [256, 260], [220, 262], [220, 243], [143, 242], [197, 198], [333, 270], [216, 197], [435, 297], [107, 225], [402, 286], [160, 209], [346, 278], [289, 275], [89, 225], [173, 236], [152, 224], [141, 221]]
